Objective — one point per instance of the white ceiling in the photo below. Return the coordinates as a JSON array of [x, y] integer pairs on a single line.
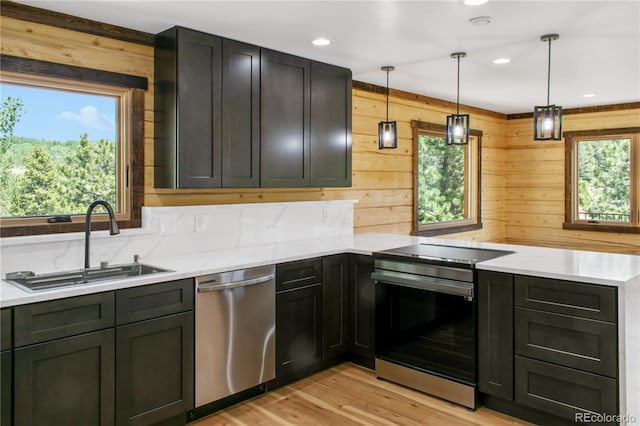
[[598, 50]]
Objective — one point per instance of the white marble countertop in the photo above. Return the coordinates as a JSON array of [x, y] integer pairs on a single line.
[[591, 267]]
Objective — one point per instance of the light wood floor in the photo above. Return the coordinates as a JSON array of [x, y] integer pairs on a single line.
[[351, 395]]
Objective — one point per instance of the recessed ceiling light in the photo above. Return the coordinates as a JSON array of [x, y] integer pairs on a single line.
[[475, 2], [588, 95], [501, 61], [321, 41], [480, 20]]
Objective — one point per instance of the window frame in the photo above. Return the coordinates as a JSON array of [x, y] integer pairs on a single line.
[[474, 221], [572, 138], [132, 177]]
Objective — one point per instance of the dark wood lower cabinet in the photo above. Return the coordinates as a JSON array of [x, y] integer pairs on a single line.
[[66, 382], [335, 305], [6, 389], [361, 310], [154, 369], [298, 332], [495, 334]]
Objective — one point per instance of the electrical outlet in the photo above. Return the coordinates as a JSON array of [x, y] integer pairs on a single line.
[[201, 222], [166, 225], [325, 214]]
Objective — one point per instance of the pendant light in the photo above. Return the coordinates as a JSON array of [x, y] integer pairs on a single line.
[[387, 130], [547, 120], [458, 124]]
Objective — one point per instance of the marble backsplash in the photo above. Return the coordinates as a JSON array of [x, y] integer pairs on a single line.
[[168, 231]]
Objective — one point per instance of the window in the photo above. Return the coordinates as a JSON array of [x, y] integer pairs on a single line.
[[447, 196], [66, 142], [63, 146], [603, 180]]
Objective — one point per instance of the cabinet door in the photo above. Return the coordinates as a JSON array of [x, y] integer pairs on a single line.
[[335, 305], [298, 332], [330, 125], [154, 376], [66, 382], [285, 120], [6, 329], [362, 310], [495, 334], [240, 115], [6, 389], [199, 88]]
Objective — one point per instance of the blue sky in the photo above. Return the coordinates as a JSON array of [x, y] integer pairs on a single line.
[[62, 116]]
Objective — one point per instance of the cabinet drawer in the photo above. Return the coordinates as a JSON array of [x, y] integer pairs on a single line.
[[564, 297], [570, 341], [298, 274], [39, 322], [6, 329], [563, 391], [155, 300]]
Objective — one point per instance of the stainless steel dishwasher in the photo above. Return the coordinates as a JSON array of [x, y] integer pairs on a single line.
[[235, 332]]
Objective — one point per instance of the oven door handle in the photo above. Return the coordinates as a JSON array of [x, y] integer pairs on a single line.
[[437, 285]]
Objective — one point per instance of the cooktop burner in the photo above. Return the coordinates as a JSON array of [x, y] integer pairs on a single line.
[[444, 253]]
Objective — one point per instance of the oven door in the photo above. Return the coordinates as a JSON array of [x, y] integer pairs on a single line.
[[425, 328]]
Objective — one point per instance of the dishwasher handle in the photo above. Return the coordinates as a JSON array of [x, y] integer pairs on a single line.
[[209, 285]]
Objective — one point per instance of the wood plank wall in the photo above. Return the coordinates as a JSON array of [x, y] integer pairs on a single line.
[[522, 181], [535, 186]]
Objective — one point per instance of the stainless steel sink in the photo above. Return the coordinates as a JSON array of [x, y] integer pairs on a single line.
[[31, 282]]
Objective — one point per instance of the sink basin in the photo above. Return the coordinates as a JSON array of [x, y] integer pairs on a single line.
[[35, 282]]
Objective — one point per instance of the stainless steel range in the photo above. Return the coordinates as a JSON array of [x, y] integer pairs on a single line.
[[426, 318]]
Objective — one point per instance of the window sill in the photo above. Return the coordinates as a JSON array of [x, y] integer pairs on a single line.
[[72, 236], [62, 228], [448, 230], [601, 227]]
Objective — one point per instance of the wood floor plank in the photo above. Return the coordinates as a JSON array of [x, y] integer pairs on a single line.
[[351, 395]]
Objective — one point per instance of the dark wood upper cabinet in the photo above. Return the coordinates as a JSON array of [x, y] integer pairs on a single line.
[[188, 103], [330, 125], [234, 115], [285, 120], [240, 115]]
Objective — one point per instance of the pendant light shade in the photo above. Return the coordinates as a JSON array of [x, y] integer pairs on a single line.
[[547, 120], [457, 130], [387, 130]]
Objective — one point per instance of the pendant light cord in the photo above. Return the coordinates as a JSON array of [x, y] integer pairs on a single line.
[[458, 90], [388, 94], [549, 72]]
